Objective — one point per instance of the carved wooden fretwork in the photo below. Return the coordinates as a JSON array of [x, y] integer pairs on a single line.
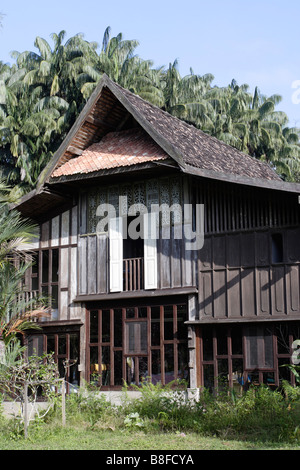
[[142, 196]]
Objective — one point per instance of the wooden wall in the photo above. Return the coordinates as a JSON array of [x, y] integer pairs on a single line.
[[61, 232], [176, 266], [237, 278], [233, 272]]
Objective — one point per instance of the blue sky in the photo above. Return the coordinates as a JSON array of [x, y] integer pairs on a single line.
[[255, 42]]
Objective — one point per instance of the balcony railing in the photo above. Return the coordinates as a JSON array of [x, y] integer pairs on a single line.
[[23, 298], [133, 274], [27, 296]]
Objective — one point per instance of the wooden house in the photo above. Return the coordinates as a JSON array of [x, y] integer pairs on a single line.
[[225, 310]]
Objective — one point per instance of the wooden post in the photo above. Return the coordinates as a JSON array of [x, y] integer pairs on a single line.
[[63, 402], [26, 409]]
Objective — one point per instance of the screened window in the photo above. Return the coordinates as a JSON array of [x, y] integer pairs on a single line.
[[43, 277], [136, 337], [49, 260], [239, 356], [132, 344], [65, 350], [259, 344]]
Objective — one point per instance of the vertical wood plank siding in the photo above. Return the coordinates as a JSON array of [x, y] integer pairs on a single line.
[[93, 264], [61, 233], [175, 264], [237, 276], [234, 272]]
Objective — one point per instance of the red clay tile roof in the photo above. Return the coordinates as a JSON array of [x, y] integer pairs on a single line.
[[116, 149]]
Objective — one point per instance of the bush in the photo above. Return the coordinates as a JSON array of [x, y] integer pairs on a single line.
[[87, 408], [163, 407], [258, 414]]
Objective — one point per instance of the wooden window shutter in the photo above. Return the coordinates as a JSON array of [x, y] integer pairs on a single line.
[[136, 340], [150, 251], [115, 255]]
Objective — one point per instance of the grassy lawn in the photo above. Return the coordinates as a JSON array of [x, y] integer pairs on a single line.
[[85, 439], [48, 437]]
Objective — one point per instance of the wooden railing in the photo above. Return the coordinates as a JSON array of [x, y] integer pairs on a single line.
[[133, 274], [27, 296]]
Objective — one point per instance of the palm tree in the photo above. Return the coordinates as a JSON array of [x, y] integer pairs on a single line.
[[56, 69], [251, 124], [268, 138], [16, 311], [25, 130], [39, 102], [185, 97], [117, 59], [14, 230]]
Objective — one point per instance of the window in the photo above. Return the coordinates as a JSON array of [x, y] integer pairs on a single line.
[[49, 269], [35, 273], [221, 356], [133, 248], [259, 344], [134, 343], [277, 248], [136, 338], [43, 277], [132, 258], [65, 350], [242, 355], [34, 345]]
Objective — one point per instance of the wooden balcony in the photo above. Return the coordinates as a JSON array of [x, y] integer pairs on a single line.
[[133, 274], [27, 296], [24, 298]]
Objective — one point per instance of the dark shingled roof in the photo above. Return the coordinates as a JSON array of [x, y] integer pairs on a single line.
[[197, 148]]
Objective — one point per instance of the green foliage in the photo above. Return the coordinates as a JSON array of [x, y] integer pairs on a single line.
[[133, 420], [40, 373], [156, 399], [259, 415], [295, 369], [86, 408], [16, 309], [292, 394]]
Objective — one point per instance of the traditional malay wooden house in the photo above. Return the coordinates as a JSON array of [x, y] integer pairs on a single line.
[[219, 308]]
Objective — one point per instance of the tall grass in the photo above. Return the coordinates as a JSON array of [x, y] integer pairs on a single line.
[[257, 415]]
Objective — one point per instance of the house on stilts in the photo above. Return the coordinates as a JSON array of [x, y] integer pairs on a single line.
[[166, 253]]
